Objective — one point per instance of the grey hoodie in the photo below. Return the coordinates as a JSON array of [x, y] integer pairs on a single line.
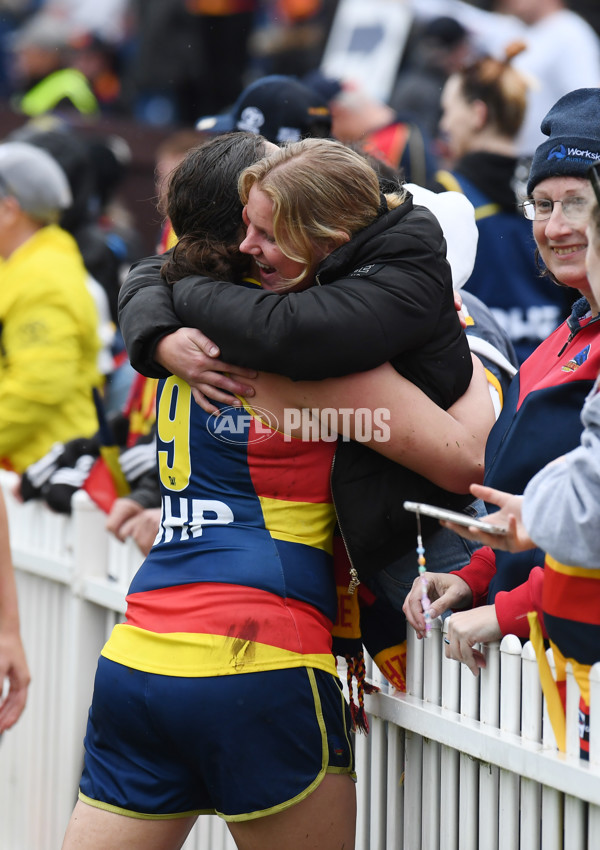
[[561, 503]]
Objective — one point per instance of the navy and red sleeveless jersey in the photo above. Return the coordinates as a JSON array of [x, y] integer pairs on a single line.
[[240, 577]]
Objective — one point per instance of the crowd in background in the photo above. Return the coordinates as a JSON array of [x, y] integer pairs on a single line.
[[167, 63], [473, 84]]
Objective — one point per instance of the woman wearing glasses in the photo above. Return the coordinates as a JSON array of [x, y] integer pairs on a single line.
[[560, 511], [540, 420]]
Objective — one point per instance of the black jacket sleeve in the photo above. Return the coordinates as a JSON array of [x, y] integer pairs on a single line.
[[368, 315], [323, 332], [146, 314]]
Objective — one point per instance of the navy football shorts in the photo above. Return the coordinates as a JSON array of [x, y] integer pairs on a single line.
[[240, 746]]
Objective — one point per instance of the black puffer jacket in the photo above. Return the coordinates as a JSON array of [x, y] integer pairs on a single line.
[[385, 295]]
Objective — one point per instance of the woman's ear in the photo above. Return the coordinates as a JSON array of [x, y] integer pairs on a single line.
[[481, 113]]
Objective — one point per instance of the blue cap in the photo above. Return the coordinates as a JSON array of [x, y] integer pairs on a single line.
[[573, 130], [277, 107]]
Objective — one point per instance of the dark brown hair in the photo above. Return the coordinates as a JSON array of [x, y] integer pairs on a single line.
[[205, 210]]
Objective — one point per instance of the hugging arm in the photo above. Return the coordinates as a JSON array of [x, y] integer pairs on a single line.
[[449, 452], [351, 324], [336, 328], [158, 345], [146, 314], [348, 325]]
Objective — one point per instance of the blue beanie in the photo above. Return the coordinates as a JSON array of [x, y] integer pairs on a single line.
[[573, 130]]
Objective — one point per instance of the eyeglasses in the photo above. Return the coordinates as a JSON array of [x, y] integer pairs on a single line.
[[540, 209]]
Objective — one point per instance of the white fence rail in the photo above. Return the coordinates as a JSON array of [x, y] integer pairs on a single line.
[[458, 763]]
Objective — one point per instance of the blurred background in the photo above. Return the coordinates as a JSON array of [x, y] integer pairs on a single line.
[[133, 77]]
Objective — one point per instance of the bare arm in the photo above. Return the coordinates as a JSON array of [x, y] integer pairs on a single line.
[[449, 451], [13, 664], [191, 355]]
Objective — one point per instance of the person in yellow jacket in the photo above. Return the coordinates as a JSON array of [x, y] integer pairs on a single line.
[[48, 319]]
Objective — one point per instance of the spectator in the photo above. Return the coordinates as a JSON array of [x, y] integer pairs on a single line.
[[541, 417], [80, 218], [49, 321], [43, 78], [436, 49], [94, 166], [560, 511], [165, 76], [13, 664], [169, 154], [224, 32], [483, 109], [358, 118], [102, 64], [228, 683], [279, 108], [290, 36], [118, 463], [487, 339], [563, 51]]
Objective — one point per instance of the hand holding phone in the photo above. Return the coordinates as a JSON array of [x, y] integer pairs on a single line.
[[455, 516]]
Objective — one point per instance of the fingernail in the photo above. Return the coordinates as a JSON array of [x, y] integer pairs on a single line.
[[213, 351]]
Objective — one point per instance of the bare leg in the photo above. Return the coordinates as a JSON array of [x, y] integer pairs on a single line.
[[325, 820], [94, 829]]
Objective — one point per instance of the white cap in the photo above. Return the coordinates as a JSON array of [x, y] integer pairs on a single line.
[[35, 179], [456, 215]]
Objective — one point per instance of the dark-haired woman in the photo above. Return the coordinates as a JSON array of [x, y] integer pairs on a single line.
[[219, 691]]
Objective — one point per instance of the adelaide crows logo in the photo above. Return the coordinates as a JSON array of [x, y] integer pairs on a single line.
[[578, 360]]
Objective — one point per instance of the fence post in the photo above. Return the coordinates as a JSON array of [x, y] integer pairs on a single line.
[[531, 730], [432, 687], [413, 746], [594, 811], [468, 818], [510, 721], [575, 809], [489, 714], [449, 767], [552, 800]]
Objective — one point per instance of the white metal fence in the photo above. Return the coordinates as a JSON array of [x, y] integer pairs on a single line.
[[457, 763]]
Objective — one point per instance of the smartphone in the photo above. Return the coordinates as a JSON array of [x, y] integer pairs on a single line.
[[454, 516]]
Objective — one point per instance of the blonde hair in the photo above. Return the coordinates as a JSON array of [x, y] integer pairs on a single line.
[[322, 193]]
